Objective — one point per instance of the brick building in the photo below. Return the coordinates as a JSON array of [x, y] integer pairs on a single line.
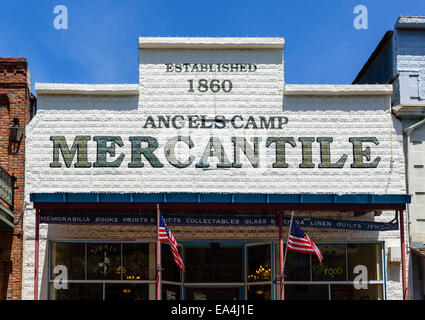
[[17, 105], [399, 59]]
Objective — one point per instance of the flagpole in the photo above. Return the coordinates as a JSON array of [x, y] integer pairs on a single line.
[[158, 257], [282, 268], [282, 284]]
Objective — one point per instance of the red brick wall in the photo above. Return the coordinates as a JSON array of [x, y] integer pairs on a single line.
[[15, 102]]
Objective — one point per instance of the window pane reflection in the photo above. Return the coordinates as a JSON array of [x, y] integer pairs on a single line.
[[306, 292], [333, 266], [170, 272], [297, 266], [367, 255], [77, 291], [213, 263], [70, 255], [136, 261], [259, 292], [171, 292], [349, 292], [103, 261], [126, 291], [259, 263]]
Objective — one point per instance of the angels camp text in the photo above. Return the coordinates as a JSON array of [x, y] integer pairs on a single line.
[[146, 149]]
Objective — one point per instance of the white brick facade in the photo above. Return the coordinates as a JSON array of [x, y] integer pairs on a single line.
[[339, 112]]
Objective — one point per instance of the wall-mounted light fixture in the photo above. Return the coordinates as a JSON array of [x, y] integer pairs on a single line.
[[15, 131], [15, 136]]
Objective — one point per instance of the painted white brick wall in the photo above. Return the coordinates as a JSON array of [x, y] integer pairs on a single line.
[[339, 124]]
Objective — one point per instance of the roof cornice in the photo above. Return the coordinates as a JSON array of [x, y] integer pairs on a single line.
[[194, 43], [86, 89], [337, 90]]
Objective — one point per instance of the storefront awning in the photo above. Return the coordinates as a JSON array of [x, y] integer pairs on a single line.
[[354, 201]]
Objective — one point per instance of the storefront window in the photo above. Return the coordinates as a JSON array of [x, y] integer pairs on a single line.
[[306, 292], [350, 292], [333, 266], [77, 291], [171, 292], [126, 291], [170, 272], [259, 263], [364, 260], [214, 263], [136, 262], [214, 271], [297, 266], [70, 256], [103, 261], [259, 292]]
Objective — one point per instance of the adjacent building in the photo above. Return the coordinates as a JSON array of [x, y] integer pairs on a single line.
[[17, 106], [399, 59]]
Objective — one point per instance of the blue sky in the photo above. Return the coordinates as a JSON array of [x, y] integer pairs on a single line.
[[100, 44]]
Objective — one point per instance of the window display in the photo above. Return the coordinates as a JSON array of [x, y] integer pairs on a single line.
[[214, 263], [71, 256], [103, 261], [366, 257], [126, 271], [333, 267], [259, 263], [136, 262], [126, 291]]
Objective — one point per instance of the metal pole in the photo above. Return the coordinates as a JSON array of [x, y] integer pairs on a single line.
[[403, 255], [158, 257], [282, 284], [37, 236]]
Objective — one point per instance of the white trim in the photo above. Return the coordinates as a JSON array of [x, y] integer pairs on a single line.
[[210, 43], [337, 90], [416, 22], [86, 89]]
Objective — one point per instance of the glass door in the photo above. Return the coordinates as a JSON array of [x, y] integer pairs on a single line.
[[258, 266]]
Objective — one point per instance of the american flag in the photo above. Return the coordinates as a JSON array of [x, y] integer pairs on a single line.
[[165, 234], [298, 241]]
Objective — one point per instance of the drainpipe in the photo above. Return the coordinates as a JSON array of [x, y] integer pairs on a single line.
[[408, 131]]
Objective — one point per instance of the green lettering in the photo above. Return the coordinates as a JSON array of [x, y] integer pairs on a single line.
[[170, 155], [149, 122], [240, 143], [264, 124], [280, 149], [137, 151], [306, 143], [359, 153], [79, 146], [103, 150], [325, 154], [214, 148]]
